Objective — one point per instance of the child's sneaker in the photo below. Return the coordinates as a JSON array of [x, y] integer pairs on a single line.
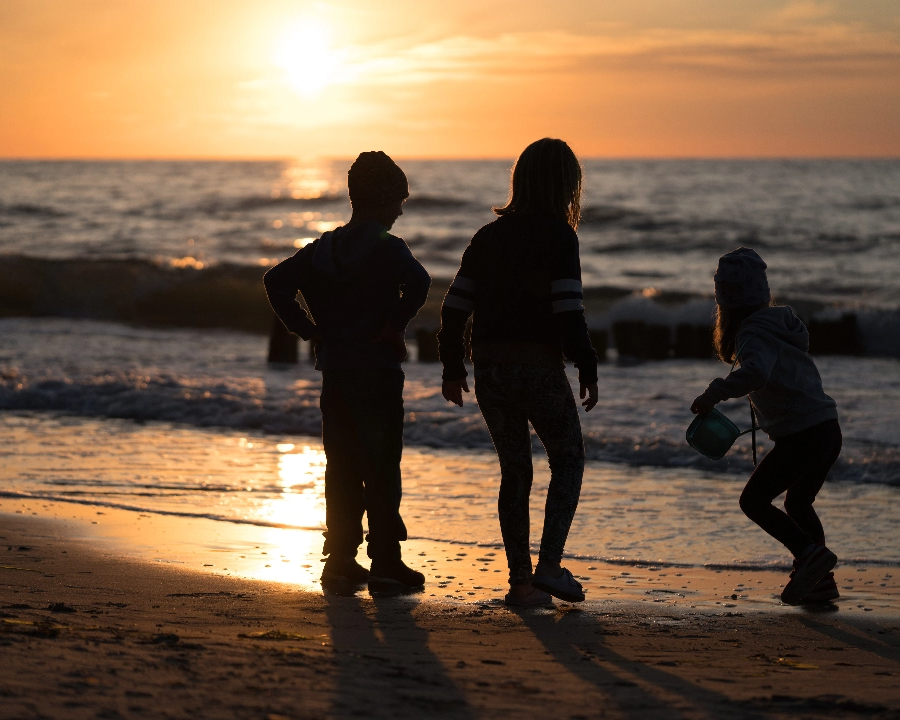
[[823, 592], [394, 575], [565, 587], [535, 597], [344, 570], [807, 573]]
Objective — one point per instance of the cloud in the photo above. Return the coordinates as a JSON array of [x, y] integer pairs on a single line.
[[805, 10], [827, 47]]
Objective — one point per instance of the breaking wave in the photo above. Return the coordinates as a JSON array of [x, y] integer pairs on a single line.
[[248, 404], [136, 291]]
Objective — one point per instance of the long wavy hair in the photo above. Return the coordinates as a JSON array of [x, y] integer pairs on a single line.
[[728, 320], [547, 178]]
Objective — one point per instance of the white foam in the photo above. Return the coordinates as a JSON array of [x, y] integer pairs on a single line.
[[220, 379]]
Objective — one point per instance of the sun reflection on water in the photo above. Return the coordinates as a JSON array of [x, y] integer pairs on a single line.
[[301, 475], [290, 555], [308, 178]]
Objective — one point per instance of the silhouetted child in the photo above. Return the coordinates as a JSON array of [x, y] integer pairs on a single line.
[[771, 345], [520, 281], [362, 286]]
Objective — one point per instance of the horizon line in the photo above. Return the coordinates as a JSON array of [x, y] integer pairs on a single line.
[[431, 158]]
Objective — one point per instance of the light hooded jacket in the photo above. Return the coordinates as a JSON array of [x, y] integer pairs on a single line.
[[355, 280], [777, 372]]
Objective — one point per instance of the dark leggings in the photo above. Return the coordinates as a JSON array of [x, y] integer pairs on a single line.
[[510, 396], [798, 463]]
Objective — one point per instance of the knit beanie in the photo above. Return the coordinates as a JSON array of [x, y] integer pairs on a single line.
[[375, 180], [741, 280]]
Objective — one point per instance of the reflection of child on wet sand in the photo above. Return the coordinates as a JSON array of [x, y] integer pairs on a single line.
[[362, 286], [772, 346]]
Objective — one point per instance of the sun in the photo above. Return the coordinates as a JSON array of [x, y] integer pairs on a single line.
[[305, 54]]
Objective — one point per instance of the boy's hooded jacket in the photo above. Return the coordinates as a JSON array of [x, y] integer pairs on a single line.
[[354, 281], [778, 374]]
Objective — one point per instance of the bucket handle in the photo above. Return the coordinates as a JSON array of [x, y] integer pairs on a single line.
[[753, 426]]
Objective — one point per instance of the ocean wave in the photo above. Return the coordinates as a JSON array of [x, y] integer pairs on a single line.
[[240, 403], [136, 291], [661, 224], [134, 395], [157, 511], [680, 214], [31, 210], [256, 202], [188, 293], [252, 203], [875, 203], [435, 202], [602, 215], [613, 233], [157, 489]]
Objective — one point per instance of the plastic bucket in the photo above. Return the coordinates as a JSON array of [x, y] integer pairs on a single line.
[[712, 434]]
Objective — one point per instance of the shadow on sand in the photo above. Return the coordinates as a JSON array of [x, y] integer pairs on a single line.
[[369, 632], [631, 688], [886, 644]]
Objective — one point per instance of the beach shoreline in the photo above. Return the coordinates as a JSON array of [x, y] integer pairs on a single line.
[[94, 626], [456, 572]]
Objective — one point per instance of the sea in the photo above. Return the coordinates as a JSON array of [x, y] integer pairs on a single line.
[[116, 411]]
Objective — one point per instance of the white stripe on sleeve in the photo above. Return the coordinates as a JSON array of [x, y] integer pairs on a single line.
[[464, 284], [460, 303]]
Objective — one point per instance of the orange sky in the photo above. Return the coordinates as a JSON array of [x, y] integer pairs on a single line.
[[199, 78]]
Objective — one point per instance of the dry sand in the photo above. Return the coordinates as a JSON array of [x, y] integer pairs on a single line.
[[88, 632]]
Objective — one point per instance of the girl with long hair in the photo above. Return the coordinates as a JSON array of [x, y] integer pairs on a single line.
[[772, 347], [520, 280]]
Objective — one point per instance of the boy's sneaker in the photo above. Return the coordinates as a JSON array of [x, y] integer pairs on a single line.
[[344, 570], [825, 590], [394, 575], [807, 573]]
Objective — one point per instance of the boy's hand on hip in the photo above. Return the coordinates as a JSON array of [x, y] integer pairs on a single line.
[[592, 393], [395, 339], [702, 405], [452, 390]]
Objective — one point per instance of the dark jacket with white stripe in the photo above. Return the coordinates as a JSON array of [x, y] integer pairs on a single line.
[[355, 280], [521, 276]]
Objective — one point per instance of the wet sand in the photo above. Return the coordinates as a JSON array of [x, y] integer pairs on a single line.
[[94, 624]]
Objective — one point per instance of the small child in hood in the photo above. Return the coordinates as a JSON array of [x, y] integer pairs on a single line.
[[771, 345]]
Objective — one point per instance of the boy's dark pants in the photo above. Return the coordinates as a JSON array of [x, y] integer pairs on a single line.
[[798, 463], [362, 429]]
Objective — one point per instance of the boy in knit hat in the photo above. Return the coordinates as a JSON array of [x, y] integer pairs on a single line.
[[362, 286], [772, 347]]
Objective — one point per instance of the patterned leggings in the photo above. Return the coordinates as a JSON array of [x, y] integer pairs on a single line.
[[510, 396]]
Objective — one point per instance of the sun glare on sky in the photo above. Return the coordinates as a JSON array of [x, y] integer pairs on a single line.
[[305, 54], [313, 78]]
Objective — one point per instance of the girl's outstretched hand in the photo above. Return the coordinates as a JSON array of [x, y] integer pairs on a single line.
[[452, 390], [702, 405]]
